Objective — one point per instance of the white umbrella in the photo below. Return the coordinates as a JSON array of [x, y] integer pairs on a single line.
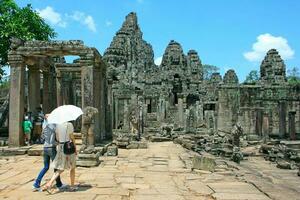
[[63, 114]]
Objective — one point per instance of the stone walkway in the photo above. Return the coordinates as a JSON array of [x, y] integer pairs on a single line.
[[276, 183], [160, 172]]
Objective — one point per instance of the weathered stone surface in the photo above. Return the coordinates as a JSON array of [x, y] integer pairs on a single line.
[[159, 139], [230, 77], [112, 151], [204, 162], [87, 163], [88, 159], [272, 69], [36, 150]]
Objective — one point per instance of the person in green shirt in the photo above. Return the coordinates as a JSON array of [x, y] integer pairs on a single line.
[[27, 126]]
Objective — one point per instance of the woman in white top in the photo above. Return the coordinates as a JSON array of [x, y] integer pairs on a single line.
[[64, 133]]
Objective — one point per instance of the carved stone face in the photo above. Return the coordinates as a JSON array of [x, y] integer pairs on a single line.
[[175, 56], [278, 70]]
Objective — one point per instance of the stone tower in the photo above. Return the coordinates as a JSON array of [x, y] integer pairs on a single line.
[[230, 77], [194, 65], [128, 54], [272, 68], [174, 58]]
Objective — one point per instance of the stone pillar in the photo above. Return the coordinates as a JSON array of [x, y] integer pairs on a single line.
[[52, 89], [180, 112], [258, 122], [126, 115], [34, 89], [282, 119], [116, 112], [100, 92], [292, 125], [59, 97], [46, 102], [265, 127], [16, 104]]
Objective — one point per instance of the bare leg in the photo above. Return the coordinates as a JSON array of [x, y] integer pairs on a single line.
[[72, 177], [53, 178]]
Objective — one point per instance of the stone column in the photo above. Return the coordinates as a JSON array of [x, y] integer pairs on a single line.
[[258, 122], [46, 102], [282, 119], [292, 126], [116, 112], [100, 99], [180, 111], [87, 91], [59, 97], [34, 89], [16, 104], [265, 127], [52, 90], [126, 115]]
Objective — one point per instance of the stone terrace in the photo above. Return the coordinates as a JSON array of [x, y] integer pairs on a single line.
[[163, 171]]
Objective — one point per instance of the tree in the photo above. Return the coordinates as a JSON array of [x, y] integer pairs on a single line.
[[293, 76], [23, 23], [252, 77], [208, 70]]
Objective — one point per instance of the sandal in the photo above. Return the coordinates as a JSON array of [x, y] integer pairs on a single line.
[[48, 189], [73, 188]]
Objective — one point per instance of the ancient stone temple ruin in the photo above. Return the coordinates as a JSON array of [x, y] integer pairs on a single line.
[[175, 93], [137, 98], [52, 82]]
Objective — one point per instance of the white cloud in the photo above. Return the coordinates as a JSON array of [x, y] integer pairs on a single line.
[[89, 21], [264, 43], [108, 23], [158, 60], [53, 17], [84, 19]]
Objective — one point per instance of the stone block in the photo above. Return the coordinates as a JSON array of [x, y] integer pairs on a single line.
[[159, 139], [284, 165], [122, 144], [87, 163], [112, 151], [143, 145], [253, 137], [88, 159], [204, 162], [133, 145]]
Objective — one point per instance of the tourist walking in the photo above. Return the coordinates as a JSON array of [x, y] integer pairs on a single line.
[[64, 160], [48, 135], [27, 126]]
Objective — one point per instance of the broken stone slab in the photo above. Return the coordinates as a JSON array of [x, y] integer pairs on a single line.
[[7, 151], [159, 139], [36, 150], [253, 137], [204, 162], [137, 145], [88, 156], [87, 163], [122, 144], [284, 165], [112, 151], [88, 160]]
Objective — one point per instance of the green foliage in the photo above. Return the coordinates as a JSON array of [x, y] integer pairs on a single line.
[[252, 77], [23, 23], [208, 70], [293, 76], [4, 83]]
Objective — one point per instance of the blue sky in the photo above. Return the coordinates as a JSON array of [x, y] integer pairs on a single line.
[[222, 32]]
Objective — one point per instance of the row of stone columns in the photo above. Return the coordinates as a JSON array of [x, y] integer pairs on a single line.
[[17, 98]]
